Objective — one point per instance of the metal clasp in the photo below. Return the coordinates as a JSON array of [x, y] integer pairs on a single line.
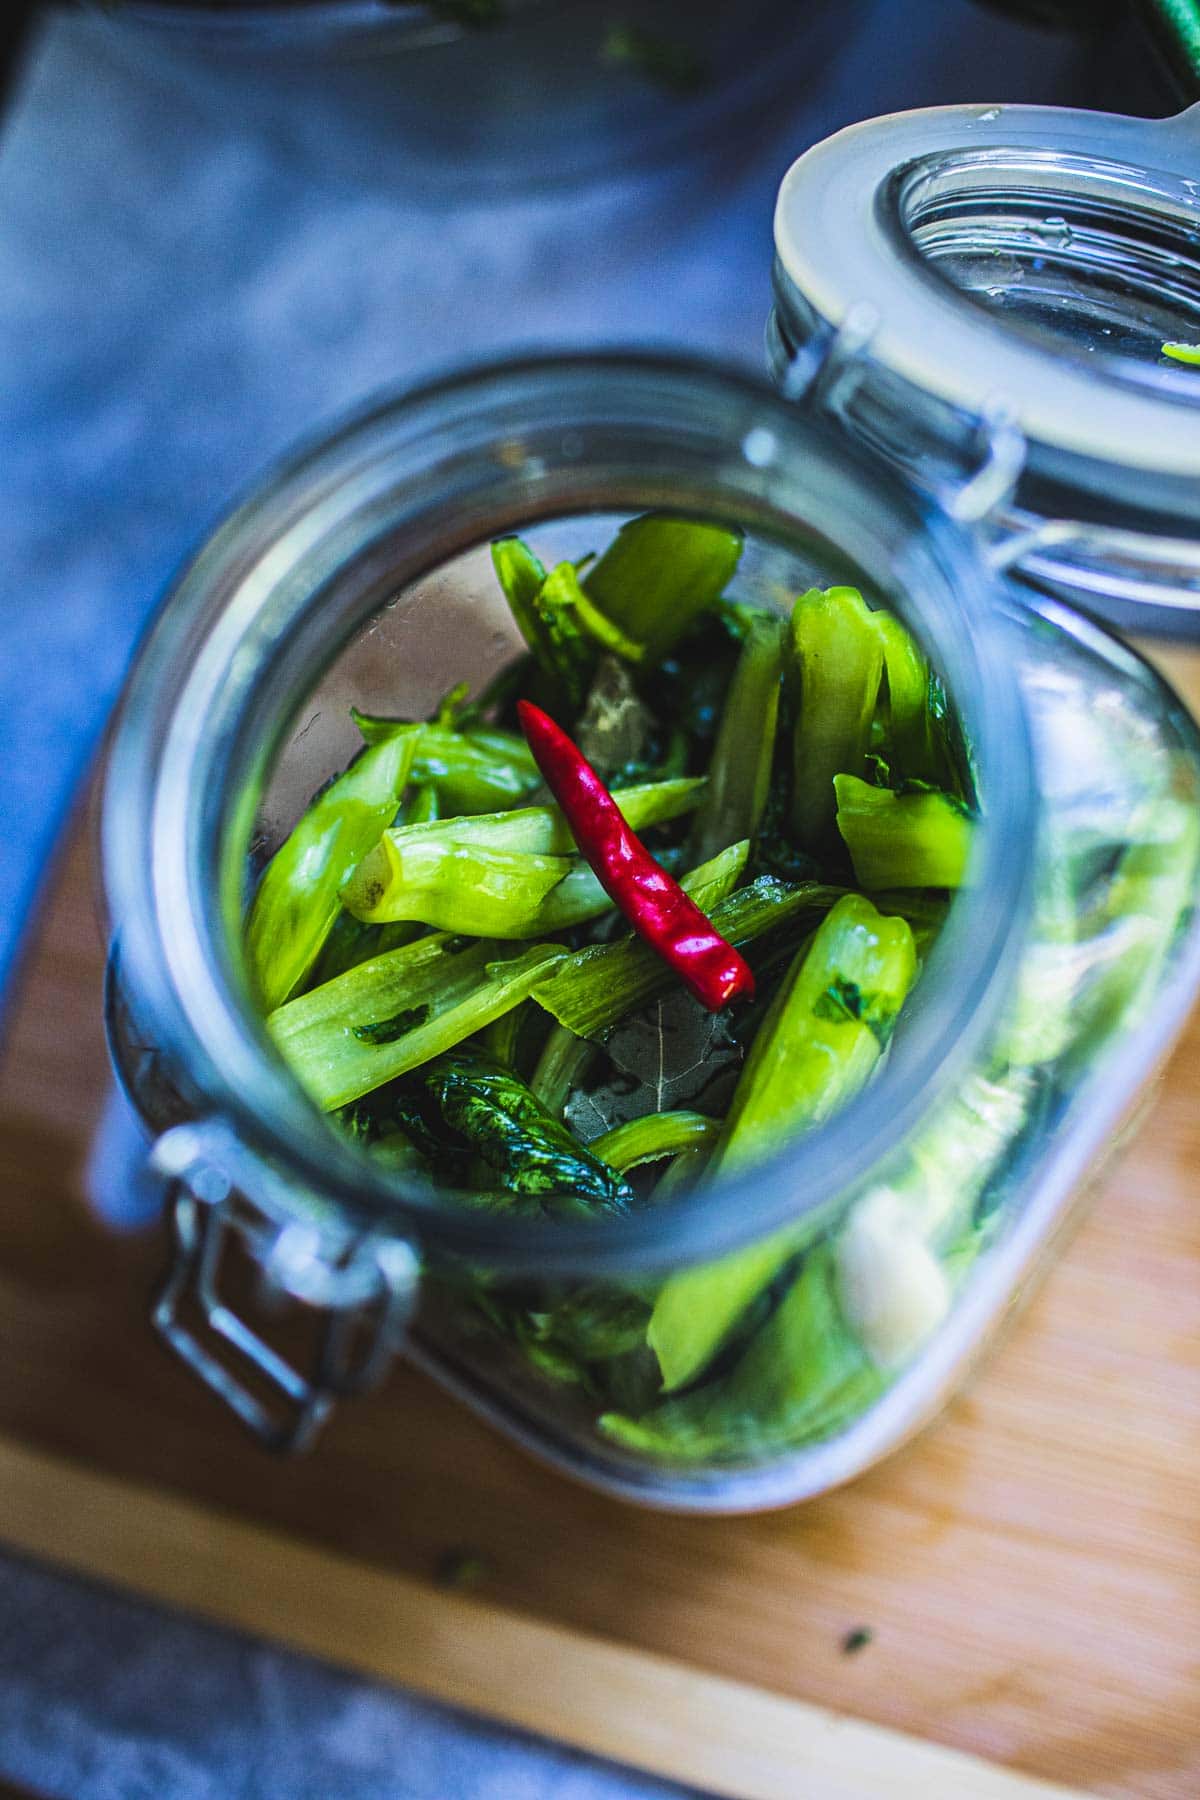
[[358, 1289], [1000, 449], [828, 367]]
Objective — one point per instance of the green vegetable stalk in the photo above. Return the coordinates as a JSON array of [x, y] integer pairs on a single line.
[[739, 774], [835, 665], [394, 1012], [802, 1375], [823, 1033], [659, 575], [517, 857], [817, 1047], [350, 941], [297, 899], [1133, 929], [486, 893], [521, 575], [914, 716], [903, 840], [563, 593], [560, 621], [560, 1067], [475, 771], [603, 982], [655, 1136], [560, 646]]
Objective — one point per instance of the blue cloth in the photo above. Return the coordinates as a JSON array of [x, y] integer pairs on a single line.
[[188, 282]]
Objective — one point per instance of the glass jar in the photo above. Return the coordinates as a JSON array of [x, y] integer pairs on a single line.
[[433, 99], [875, 1255]]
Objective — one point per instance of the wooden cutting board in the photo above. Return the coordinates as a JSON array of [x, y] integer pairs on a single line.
[[1027, 1571]]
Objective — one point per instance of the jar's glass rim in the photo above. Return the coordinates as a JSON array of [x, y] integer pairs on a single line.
[[164, 808]]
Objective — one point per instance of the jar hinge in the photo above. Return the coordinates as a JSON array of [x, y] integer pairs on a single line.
[[358, 1291], [831, 365]]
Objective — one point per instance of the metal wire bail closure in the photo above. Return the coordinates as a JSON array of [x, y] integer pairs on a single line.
[[359, 1293]]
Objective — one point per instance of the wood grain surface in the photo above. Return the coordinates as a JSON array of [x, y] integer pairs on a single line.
[[1027, 1570]]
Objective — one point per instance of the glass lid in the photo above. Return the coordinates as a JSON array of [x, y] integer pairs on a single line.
[[998, 274]]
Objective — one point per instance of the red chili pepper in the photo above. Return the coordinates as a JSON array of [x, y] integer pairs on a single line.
[[653, 901]]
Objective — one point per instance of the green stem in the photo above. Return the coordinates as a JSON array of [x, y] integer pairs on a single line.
[[659, 574], [560, 1067], [500, 1037], [681, 1175], [654, 1137], [509, 874], [563, 586], [739, 774], [390, 1014], [476, 770], [817, 1047], [836, 665]]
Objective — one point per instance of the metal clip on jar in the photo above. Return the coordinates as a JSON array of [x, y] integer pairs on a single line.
[[911, 1220]]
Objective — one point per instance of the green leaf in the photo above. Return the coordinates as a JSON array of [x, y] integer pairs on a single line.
[[526, 1148]]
